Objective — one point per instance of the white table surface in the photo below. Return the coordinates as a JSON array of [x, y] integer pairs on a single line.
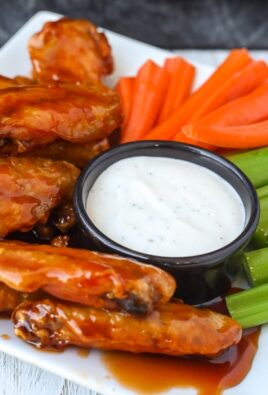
[[20, 378]]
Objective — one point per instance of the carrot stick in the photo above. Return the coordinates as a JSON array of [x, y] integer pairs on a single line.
[[182, 138], [236, 60], [239, 84], [125, 90], [181, 80], [241, 137], [245, 110], [150, 87], [237, 124], [165, 130]]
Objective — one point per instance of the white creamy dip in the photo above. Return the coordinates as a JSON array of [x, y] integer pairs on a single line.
[[165, 207]]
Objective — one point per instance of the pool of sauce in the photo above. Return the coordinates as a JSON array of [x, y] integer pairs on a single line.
[[152, 374]]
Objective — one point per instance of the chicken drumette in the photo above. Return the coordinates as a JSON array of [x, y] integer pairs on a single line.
[[77, 154], [35, 115], [172, 329], [70, 50], [30, 189], [86, 277]]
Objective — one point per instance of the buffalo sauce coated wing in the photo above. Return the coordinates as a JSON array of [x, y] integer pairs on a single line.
[[70, 50], [173, 329], [9, 298], [30, 189], [35, 115], [77, 154], [6, 82], [85, 277]]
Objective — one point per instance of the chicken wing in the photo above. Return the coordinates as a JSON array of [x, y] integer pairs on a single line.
[[30, 189], [35, 115], [77, 154], [173, 329], [9, 298], [71, 51], [6, 82], [85, 277]]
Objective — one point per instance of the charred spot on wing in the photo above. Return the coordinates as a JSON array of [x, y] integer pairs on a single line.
[[5, 141], [38, 326], [133, 305], [44, 232]]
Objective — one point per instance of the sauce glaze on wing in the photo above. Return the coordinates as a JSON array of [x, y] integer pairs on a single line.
[[9, 298], [30, 189], [71, 51], [35, 115], [85, 277], [6, 82], [77, 154], [172, 329]]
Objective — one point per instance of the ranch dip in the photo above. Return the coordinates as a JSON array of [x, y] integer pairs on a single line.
[[165, 207]]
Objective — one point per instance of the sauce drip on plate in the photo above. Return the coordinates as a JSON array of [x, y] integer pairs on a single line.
[[83, 352], [5, 337], [152, 374]]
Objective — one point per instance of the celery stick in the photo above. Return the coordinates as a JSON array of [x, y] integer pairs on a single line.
[[260, 237], [254, 164], [256, 266], [250, 307], [262, 192]]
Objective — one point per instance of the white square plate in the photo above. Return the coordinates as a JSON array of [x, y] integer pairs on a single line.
[[90, 371]]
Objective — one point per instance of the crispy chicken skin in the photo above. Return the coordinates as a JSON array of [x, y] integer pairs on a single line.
[[30, 189], [35, 115], [77, 154], [174, 329], [85, 277], [71, 51]]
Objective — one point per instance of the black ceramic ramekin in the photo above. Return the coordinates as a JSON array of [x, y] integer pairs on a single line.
[[200, 277]]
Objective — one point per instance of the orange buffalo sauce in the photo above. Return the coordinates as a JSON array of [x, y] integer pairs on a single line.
[[152, 374]]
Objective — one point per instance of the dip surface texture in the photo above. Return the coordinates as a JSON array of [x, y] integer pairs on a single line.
[[165, 207]]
